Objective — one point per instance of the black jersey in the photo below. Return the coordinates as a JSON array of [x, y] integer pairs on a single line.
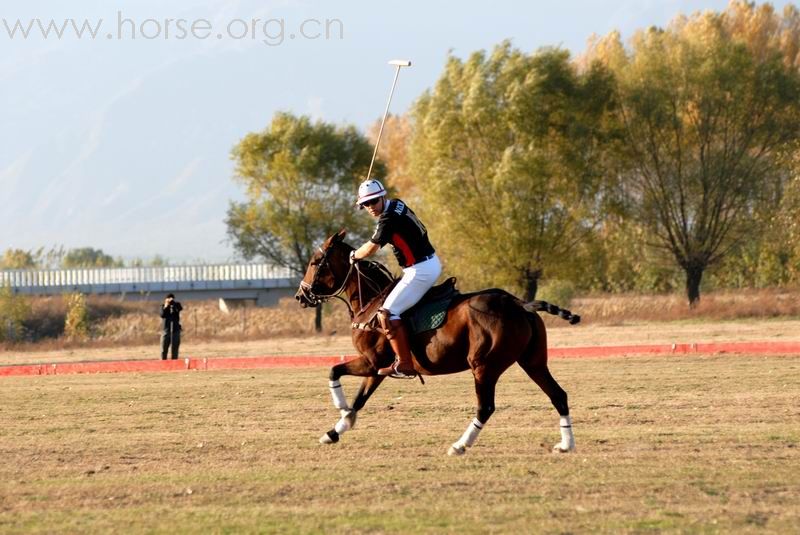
[[399, 225]]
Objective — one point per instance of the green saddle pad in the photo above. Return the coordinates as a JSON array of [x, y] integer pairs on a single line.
[[427, 316]]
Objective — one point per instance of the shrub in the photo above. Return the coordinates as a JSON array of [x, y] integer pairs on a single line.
[[14, 310], [76, 323]]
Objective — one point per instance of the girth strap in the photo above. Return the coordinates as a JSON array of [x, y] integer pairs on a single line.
[[366, 326]]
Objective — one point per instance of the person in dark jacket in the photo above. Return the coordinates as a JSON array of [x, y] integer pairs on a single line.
[[170, 326]]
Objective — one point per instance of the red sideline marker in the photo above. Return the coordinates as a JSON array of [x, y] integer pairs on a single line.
[[116, 366], [712, 348], [233, 363]]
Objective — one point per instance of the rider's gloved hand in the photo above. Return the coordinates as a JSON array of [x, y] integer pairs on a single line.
[[353, 257]]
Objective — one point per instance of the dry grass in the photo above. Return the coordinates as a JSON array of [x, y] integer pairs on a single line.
[[665, 445], [115, 323], [121, 324], [724, 305], [205, 321]]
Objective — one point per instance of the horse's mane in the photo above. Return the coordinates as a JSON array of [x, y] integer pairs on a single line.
[[371, 307], [372, 268], [377, 277]]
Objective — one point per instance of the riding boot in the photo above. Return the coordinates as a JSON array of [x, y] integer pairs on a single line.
[[403, 366]]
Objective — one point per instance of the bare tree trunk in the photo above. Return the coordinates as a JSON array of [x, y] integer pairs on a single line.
[[531, 281], [694, 275], [318, 319]]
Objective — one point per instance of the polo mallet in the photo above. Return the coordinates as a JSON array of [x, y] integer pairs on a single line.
[[399, 63]]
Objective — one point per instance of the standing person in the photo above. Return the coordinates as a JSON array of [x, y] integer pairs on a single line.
[[170, 326], [398, 225]]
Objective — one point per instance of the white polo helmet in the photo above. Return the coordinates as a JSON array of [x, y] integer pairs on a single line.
[[368, 190]]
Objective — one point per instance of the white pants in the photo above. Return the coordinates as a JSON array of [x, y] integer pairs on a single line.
[[416, 280]]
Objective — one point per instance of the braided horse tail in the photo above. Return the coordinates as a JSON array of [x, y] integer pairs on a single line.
[[544, 306]]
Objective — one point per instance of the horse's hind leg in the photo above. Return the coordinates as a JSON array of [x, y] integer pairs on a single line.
[[358, 367], [541, 375], [484, 388], [534, 362]]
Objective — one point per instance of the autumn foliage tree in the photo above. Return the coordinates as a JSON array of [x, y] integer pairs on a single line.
[[508, 150], [301, 179], [709, 108], [88, 257], [17, 259], [394, 153]]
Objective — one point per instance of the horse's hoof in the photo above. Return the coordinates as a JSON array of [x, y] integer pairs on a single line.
[[456, 450], [560, 448], [331, 437]]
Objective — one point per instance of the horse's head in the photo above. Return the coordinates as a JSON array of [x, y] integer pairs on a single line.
[[326, 273]]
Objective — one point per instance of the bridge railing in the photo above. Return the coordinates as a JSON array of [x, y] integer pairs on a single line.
[[42, 278]]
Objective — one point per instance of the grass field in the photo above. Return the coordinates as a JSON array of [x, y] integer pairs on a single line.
[[683, 444]]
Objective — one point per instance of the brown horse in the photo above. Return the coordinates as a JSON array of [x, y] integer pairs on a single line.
[[485, 332]]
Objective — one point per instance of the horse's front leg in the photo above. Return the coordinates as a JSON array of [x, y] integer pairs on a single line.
[[359, 367], [485, 390]]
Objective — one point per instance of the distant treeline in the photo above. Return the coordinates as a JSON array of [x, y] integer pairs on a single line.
[[61, 258]]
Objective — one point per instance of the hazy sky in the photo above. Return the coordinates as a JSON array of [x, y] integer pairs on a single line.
[[122, 142]]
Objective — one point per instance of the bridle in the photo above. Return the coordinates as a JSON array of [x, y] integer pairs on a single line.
[[308, 289], [315, 299]]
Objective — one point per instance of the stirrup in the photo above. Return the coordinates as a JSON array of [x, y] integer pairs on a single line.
[[395, 373]]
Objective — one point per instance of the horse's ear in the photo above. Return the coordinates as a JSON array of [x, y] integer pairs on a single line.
[[334, 238]]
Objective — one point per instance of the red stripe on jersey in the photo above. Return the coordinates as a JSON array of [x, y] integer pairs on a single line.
[[401, 244]]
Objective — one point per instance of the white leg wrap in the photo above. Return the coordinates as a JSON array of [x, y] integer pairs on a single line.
[[567, 438], [339, 401], [342, 425], [471, 434]]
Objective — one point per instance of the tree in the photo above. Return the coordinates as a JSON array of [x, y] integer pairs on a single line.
[[17, 259], [14, 311], [509, 148], [787, 218], [621, 261], [301, 179], [156, 261], [393, 152], [76, 321], [51, 258], [708, 112], [779, 255], [87, 257]]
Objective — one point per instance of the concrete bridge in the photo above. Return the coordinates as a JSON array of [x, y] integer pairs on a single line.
[[261, 284]]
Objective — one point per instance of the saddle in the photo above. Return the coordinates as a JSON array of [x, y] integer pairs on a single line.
[[429, 313]]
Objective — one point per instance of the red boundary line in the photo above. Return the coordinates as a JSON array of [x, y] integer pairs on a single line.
[[790, 348], [232, 363]]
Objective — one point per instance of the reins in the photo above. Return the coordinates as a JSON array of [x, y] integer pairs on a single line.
[[374, 285], [306, 288]]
